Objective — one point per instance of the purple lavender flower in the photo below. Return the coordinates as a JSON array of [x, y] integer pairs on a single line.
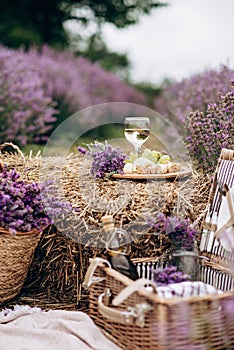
[[40, 88], [168, 275], [179, 231], [105, 159], [179, 99], [22, 208]]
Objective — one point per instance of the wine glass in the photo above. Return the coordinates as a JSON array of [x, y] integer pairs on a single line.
[[136, 131]]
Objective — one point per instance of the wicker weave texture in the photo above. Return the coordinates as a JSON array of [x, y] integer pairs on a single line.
[[16, 253], [201, 322]]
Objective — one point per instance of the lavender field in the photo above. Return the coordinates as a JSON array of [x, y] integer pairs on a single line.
[[40, 88]]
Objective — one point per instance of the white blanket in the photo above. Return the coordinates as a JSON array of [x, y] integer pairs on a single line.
[[26, 328]]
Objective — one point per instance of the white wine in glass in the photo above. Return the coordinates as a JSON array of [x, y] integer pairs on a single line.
[[136, 131]]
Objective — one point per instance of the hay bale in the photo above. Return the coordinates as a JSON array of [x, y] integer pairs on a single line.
[[62, 257]]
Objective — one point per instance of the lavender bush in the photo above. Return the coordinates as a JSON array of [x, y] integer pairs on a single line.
[[211, 131], [33, 83], [26, 110], [22, 208], [201, 108], [179, 231], [106, 160], [76, 83], [179, 99]]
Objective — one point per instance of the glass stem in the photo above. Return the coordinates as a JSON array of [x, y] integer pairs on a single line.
[[137, 150]]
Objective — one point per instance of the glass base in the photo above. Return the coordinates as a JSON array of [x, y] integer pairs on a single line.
[[186, 262]]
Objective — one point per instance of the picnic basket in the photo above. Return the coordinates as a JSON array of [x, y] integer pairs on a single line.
[[135, 317], [145, 321]]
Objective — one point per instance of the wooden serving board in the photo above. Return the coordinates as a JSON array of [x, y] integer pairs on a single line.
[[135, 176]]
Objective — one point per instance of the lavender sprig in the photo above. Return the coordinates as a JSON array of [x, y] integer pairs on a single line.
[[105, 159], [179, 231], [168, 275]]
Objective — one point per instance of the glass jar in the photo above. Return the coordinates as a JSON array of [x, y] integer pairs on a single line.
[[186, 261]]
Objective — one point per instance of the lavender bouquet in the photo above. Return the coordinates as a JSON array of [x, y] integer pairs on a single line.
[[106, 160], [168, 275], [22, 208], [182, 237], [179, 231]]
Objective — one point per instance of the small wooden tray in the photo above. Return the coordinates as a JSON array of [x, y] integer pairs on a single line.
[[134, 176]]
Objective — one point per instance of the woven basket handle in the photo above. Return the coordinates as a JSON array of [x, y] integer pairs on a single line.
[[89, 276], [133, 315], [12, 145], [132, 288]]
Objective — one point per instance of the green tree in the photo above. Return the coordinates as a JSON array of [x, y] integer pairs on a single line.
[[151, 91], [24, 23], [97, 51], [30, 22]]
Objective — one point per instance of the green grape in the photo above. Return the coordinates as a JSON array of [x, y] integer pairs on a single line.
[[156, 155], [148, 154], [164, 159]]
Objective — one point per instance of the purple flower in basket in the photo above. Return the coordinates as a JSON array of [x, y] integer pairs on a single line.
[[22, 208], [168, 275]]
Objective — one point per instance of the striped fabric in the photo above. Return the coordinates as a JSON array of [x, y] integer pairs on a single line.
[[186, 289], [222, 281], [224, 176]]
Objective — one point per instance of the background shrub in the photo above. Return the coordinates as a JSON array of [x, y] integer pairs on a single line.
[[211, 131], [41, 88], [179, 99], [76, 83], [27, 111]]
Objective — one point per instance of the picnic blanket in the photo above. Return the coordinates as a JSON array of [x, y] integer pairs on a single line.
[[26, 328]]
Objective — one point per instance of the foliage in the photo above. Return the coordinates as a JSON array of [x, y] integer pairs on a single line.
[[96, 50], [28, 22], [120, 13], [105, 159], [22, 208], [179, 99], [26, 110], [178, 230], [211, 131], [149, 90], [168, 275]]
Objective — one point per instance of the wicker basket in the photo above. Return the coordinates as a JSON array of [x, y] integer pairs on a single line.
[[198, 322], [16, 253]]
